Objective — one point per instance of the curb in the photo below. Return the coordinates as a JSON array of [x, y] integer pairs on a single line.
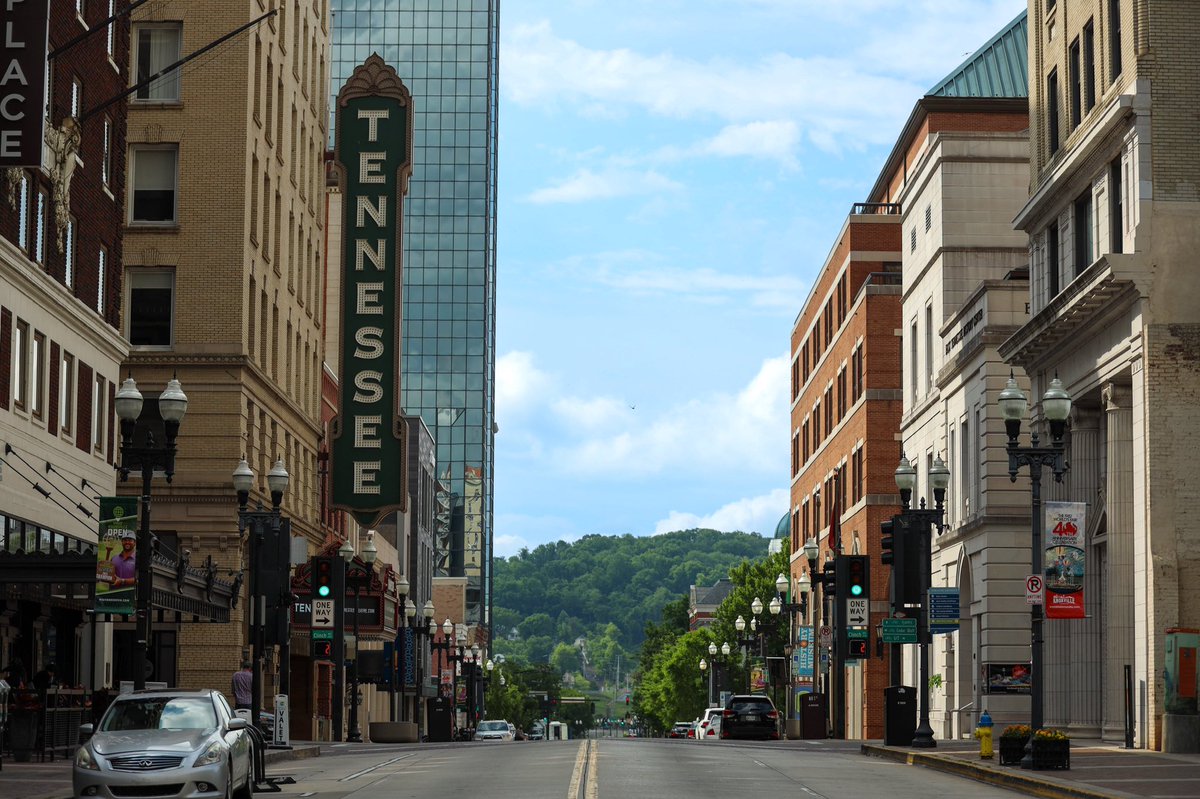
[[1015, 780], [295, 753]]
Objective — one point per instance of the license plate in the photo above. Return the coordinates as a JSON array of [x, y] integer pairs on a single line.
[[751, 717]]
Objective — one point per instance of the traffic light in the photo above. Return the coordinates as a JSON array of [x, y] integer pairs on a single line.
[[829, 578], [322, 578], [858, 582], [322, 649], [887, 542], [858, 648]]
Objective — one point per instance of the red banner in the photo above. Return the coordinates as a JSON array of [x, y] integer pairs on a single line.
[[1065, 526]]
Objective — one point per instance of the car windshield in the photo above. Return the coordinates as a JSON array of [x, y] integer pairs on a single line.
[[493, 726], [160, 713]]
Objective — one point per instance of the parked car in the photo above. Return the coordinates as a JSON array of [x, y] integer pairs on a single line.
[[709, 728], [750, 716], [494, 730], [165, 743]]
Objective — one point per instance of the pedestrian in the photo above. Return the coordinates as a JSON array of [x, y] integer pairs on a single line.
[[243, 687], [15, 673], [44, 679]]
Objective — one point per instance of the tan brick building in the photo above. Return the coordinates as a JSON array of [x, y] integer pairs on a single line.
[[1113, 219], [845, 412], [224, 279]]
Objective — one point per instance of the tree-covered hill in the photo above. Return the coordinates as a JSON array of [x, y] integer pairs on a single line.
[[604, 589]]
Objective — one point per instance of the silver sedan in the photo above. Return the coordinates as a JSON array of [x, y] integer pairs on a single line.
[[178, 744]]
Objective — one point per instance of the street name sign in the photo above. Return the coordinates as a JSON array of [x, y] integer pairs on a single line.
[[322, 635], [857, 612], [900, 631]]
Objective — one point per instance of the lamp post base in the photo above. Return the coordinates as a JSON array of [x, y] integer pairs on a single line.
[[923, 738]]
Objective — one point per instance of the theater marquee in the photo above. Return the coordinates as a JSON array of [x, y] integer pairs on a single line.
[[374, 161], [23, 81]]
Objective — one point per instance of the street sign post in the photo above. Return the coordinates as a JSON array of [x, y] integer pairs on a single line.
[[900, 631]]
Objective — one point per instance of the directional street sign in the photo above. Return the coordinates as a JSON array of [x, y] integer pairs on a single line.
[[861, 633], [322, 613], [857, 612], [899, 631], [943, 610], [1034, 588]]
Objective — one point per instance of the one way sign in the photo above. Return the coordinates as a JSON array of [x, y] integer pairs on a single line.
[[857, 612], [322, 613]]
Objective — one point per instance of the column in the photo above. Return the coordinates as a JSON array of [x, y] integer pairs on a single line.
[[1084, 671], [1118, 594]]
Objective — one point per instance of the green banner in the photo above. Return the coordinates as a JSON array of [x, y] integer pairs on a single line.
[[374, 161], [116, 555]]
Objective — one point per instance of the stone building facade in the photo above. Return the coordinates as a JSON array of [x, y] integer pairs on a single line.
[[1113, 220]]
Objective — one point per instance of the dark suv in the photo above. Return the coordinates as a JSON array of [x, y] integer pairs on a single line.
[[750, 716]]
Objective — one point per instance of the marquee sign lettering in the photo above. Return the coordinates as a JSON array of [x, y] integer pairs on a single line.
[[374, 161], [23, 81]]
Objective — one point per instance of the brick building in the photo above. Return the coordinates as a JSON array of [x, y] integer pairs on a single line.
[[1113, 220], [845, 412], [60, 349]]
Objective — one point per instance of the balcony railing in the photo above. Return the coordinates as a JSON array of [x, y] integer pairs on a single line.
[[859, 209]]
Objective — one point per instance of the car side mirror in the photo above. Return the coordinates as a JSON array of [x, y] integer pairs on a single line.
[[86, 730], [236, 724]]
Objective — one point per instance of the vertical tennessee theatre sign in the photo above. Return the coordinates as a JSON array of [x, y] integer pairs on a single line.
[[374, 161]]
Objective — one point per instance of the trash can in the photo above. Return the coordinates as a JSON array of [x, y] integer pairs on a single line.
[[813, 715], [439, 722], [899, 715]]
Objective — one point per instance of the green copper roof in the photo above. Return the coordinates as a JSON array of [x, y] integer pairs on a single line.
[[784, 528], [998, 69]]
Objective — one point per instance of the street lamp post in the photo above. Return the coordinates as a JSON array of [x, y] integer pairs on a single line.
[[256, 521], [406, 629], [921, 521], [172, 405], [358, 578], [1056, 405]]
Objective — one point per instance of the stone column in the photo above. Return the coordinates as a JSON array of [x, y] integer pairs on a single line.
[[1119, 593], [1083, 635]]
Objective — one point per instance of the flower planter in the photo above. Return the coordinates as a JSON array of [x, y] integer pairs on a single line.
[[1051, 754], [1012, 750], [22, 735]]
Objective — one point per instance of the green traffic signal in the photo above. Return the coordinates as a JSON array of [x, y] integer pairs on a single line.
[[856, 590], [323, 591]]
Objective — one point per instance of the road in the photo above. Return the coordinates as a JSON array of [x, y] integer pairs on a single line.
[[614, 768]]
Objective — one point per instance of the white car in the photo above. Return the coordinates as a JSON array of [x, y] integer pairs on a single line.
[[496, 730], [709, 728], [166, 744]]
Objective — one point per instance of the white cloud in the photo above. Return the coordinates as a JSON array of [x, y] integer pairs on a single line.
[[775, 140], [746, 432], [760, 514], [519, 384], [587, 185]]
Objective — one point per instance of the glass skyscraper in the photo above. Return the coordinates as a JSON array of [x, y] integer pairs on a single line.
[[446, 53]]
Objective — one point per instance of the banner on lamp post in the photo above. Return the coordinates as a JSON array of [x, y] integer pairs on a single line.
[[116, 556], [374, 161], [1065, 559]]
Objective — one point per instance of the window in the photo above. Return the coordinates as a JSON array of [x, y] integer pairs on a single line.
[[928, 349], [913, 353], [1089, 65], [858, 372], [151, 307], [1076, 85], [1052, 111], [1052, 260], [76, 97], [37, 374], [841, 384], [101, 268], [912, 240], [20, 373], [829, 410], [156, 47], [804, 443], [816, 426], [23, 213], [964, 461], [99, 397], [1116, 207], [1083, 232], [108, 45], [39, 229], [69, 253], [154, 180], [66, 392], [928, 217], [106, 152], [1114, 38]]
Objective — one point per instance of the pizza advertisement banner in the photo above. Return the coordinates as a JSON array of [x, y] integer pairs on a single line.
[[1065, 526]]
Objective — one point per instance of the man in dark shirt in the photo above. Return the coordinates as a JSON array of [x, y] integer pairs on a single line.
[[243, 684]]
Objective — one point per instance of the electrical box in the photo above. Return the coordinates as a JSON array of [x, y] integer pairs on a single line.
[[1179, 671]]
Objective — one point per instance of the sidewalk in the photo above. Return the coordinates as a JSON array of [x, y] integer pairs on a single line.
[[1098, 770], [53, 780]]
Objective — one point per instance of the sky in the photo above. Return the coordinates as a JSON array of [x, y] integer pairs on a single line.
[[672, 176]]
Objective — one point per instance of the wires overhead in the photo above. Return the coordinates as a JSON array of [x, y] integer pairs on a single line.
[[49, 489]]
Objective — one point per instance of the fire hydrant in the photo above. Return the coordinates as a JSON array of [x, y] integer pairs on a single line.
[[983, 731]]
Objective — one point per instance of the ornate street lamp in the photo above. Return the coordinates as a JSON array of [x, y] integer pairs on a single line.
[[1056, 406], [359, 579]]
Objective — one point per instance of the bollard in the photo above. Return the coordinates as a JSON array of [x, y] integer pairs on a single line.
[[983, 731]]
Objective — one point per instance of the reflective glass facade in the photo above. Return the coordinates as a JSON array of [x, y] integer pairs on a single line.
[[446, 53]]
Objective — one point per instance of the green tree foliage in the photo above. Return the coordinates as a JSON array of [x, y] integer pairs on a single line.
[[605, 589]]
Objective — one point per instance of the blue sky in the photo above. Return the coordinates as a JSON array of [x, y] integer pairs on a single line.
[[673, 174]]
